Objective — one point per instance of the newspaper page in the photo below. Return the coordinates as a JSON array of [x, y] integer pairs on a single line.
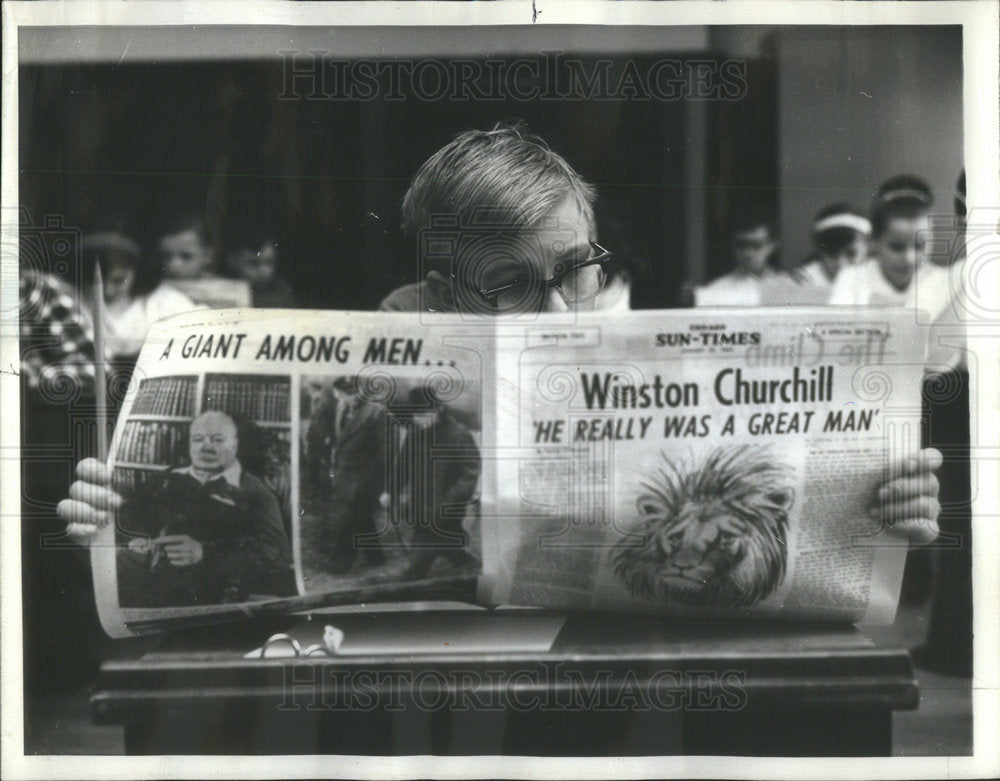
[[280, 460], [704, 461], [709, 461]]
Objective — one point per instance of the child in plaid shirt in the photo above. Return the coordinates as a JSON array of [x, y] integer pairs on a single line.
[[57, 335]]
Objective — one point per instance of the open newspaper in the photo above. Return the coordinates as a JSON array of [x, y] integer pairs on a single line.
[[721, 462]]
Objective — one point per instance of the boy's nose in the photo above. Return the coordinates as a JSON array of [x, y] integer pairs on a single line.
[[554, 302]]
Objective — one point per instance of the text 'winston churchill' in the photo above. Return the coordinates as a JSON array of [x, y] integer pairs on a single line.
[[613, 391]]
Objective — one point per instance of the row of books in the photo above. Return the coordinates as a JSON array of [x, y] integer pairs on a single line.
[[163, 443], [153, 443], [253, 398], [167, 396], [127, 480]]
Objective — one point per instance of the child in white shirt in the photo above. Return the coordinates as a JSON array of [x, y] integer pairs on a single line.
[[133, 300], [898, 273], [753, 245]]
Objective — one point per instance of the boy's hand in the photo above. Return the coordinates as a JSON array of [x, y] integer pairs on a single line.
[[908, 500], [91, 502]]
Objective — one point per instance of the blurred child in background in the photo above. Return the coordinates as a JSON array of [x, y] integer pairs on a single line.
[[183, 248], [134, 296], [188, 260], [898, 273], [840, 239], [254, 258], [753, 246]]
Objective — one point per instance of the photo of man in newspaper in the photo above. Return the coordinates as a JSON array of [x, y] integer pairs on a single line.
[[202, 529], [389, 481], [346, 433]]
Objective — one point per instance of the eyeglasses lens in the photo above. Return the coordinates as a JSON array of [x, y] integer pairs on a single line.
[[582, 284], [523, 297]]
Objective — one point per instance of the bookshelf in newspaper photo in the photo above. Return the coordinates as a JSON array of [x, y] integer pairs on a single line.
[[203, 463]]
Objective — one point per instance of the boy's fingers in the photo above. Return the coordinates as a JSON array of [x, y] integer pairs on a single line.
[[918, 507], [919, 531], [96, 496], [927, 460], [930, 458], [93, 471], [81, 533], [75, 512], [904, 488]]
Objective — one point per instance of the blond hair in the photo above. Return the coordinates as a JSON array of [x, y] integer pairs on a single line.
[[505, 178]]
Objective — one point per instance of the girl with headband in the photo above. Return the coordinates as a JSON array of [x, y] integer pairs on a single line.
[[898, 273], [840, 237]]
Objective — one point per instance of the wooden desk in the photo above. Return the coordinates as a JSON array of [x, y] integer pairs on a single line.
[[610, 685]]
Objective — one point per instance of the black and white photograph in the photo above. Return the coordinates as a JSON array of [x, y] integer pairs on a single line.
[[389, 482], [206, 516], [512, 389], [754, 495]]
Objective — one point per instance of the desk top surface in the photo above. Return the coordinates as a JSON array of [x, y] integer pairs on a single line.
[[595, 638], [775, 662]]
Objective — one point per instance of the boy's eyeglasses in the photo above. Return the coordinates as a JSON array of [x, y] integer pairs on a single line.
[[576, 282]]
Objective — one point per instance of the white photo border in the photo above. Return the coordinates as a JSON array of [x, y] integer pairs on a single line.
[[982, 141]]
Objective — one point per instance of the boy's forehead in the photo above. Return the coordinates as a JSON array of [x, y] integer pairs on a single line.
[[564, 232], [568, 218]]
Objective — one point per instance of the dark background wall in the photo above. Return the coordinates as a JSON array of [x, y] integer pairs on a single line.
[[861, 107], [107, 145], [125, 124], [126, 130]]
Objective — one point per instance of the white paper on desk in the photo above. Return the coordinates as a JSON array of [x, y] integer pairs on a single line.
[[437, 633]]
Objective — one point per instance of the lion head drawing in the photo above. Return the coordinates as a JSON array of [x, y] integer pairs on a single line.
[[709, 535]]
